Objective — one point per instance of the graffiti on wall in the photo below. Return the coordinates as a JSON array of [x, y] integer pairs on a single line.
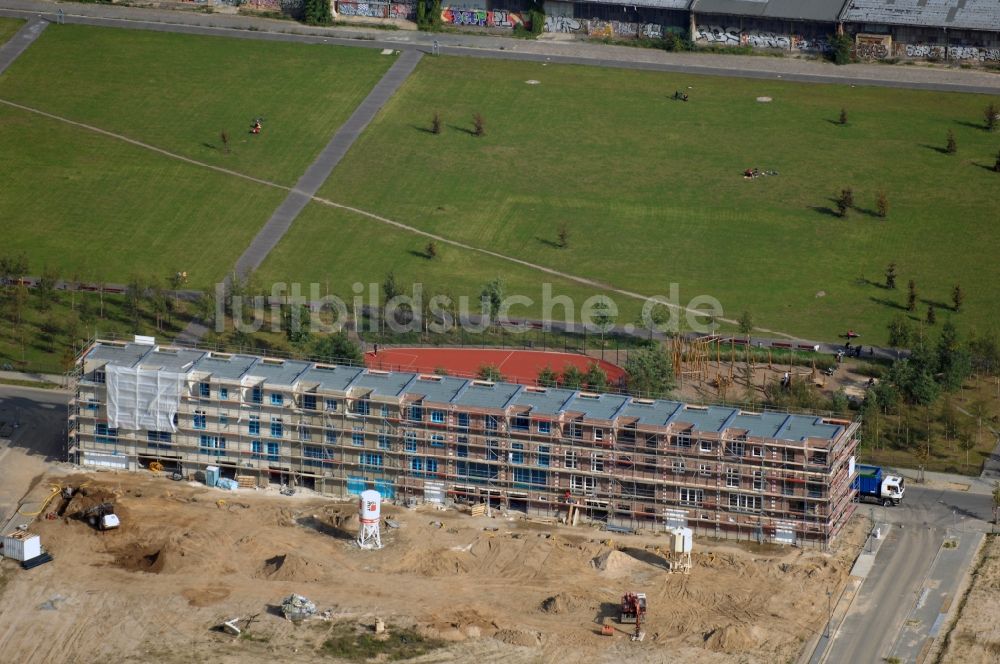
[[483, 18], [377, 9], [717, 35], [290, 7], [932, 52], [603, 29], [872, 47]]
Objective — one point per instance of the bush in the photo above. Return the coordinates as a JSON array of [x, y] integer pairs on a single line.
[[952, 145], [317, 12], [675, 42], [840, 49]]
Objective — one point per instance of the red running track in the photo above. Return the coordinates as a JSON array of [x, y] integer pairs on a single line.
[[517, 366]]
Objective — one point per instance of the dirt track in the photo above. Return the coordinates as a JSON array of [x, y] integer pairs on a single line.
[[183, 562]]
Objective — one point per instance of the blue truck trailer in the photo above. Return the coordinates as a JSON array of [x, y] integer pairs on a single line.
[[874, 484]]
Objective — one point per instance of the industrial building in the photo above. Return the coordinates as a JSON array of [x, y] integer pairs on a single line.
[[341, 429]]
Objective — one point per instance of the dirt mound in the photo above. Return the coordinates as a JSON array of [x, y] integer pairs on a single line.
[[290, 567], [518, 637], [87, 498], [616, 563], [730, 639], [560, 603]]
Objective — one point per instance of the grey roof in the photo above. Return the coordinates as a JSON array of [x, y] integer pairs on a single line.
[[548, 401], [120, 355], [171, 359], [709, 419], [656, 4], [477, 394], [278, 372], [436, 389], [963, 14], [330, 377], [597, 406], [382, 383], [797, 10], [224, 367], [650, 413]]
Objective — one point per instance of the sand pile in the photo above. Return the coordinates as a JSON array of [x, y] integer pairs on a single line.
[[730, 639], [290, 567], [87, 498], [616, 563], [560, 603], [136, 557], [518, 637]]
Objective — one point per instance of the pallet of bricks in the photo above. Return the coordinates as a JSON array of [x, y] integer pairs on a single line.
[[246, 481]]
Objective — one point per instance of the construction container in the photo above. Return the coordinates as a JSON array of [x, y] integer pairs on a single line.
[[212, 475], [22, 545], [683, 540]]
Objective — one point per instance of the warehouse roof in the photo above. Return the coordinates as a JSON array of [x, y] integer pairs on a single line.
[[551, 401], [800, 10], [962, 14]]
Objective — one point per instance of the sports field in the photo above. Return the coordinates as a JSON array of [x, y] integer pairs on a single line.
[[652, 189]]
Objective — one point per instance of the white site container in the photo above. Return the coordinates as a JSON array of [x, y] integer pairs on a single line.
[[21, 545]]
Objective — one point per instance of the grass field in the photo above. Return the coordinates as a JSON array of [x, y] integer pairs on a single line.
[[179, 92], [97, 208], [652, 189], [9, 26], [352, 248]]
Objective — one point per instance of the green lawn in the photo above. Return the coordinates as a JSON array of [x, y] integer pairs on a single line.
[[336, 249], [652, 189], [179, 92], [8, 27], [97, 208]]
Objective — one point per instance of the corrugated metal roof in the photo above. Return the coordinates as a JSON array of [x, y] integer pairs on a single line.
[[826, 11], [656, 4], [962, 14], [459, 391]]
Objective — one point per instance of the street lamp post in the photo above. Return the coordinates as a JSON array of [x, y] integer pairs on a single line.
[[829, 613]]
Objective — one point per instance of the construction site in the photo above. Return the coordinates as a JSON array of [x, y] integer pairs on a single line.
[[622, 462], [197, 574]]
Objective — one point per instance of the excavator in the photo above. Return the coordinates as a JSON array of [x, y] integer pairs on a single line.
[[101, 516], [634, 611]]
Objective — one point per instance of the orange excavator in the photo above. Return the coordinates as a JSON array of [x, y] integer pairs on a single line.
[[634, 611]]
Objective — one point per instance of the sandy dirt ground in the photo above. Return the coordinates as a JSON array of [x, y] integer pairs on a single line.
[[494, 589], [975, 637]]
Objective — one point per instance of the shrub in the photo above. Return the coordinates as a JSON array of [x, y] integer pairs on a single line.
[[840, 49], [952, 146], [991, 114], [436, 123], [479, 125], [882, 204], [843, 117]]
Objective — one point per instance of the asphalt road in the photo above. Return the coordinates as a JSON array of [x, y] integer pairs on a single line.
[[871, 630], [500, 47]]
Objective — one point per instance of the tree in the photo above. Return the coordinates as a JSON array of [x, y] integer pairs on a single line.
[[133, 299], [337, 348], [295, 320], [839, 402], [931, 316], [389, 289], [745, 323], [914, 376], [650, 372], [966, 444], [911, 298], [952, 145], [882, 205], [160, 303], [991, 115], [563, 234], [843, 117], [489, 372], [890, 276], [224, 137], [996, 164], [547, 377], [595, 378], [840, 48], [317, 12], [845, 201], [572, 378], [46, 287], [948, 417], [996, 501], [957, 296], [428, 14], [954, 362], [431, 250], [979, 409], [602, 319], [492, 296], [436, 123], [478, 124]]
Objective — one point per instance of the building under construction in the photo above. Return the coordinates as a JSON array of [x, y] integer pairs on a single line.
[[338, 430]]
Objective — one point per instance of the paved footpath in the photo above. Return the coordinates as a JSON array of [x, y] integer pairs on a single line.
[[314, 177], [17, 44], [548, 48]]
